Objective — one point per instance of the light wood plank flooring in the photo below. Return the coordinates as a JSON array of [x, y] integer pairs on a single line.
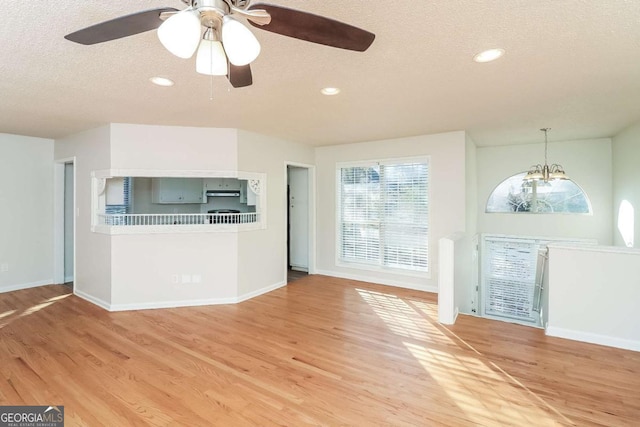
[[321, 351], [295, 275]]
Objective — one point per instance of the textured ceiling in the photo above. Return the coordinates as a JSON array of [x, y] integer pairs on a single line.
[[572, 65]]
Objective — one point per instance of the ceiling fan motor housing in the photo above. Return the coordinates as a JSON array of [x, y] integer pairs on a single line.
[[211, 11]]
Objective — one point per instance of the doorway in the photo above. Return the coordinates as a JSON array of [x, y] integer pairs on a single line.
[[64, 226], [299, 221]]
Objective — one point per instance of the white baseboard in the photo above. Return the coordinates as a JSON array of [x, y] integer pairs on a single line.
[[68, 279], [378, 281], [171, 304], [92, 299], [261, 291], [180, 303], [21, 286], [593, 338]]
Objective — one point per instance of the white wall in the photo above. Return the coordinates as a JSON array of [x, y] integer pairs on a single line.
[[626, 178], [453, 275], [26, 211], [138, 270], [471, 185], [594, 294], [143, 267], [93, 251], [447, 198], [465, 254], [587, 162], [262, 253], [173, 147], [148, 269], [69, 216]]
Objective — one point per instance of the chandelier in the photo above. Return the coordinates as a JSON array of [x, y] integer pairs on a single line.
[[545, 172]]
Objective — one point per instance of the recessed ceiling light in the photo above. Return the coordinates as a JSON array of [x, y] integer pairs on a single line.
[[330, 91], [489, 55], [161, 81]]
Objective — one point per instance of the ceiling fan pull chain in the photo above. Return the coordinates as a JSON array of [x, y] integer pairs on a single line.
[[211, 77]]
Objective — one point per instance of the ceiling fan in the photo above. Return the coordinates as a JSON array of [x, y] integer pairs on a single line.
[[227, 46]]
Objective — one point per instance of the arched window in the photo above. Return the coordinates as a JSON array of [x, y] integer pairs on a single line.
[[514, 195]]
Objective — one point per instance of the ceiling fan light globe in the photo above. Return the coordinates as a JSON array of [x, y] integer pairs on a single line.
[[240, 44], [180, 34], [211, 59]]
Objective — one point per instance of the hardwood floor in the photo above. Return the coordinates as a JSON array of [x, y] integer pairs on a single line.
[[295, 275], [320, 351]]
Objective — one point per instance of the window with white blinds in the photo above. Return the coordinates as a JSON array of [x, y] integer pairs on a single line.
[[384, 214], [122, 204]]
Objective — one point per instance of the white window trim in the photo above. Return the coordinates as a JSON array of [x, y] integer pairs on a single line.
[[338, 238], [586, 196]]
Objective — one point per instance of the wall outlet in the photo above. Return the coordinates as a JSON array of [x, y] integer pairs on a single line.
[[174, 278], [196, 278], [186, 278], [4, 267]]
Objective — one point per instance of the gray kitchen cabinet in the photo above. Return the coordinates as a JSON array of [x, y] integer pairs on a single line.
[[176, 190], [243, 191], [221, 184]]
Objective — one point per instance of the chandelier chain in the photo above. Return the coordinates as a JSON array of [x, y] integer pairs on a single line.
[[546, 143], [545, 172]]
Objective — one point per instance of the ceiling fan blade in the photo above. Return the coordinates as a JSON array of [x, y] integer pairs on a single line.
[[314, 28], [240, 76], [257, 16], [117, 28]]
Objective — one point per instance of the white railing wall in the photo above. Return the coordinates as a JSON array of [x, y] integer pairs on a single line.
[[176, 219], [454, 275], [594, 294]]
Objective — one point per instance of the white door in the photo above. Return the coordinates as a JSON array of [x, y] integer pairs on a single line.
[[298, 179]]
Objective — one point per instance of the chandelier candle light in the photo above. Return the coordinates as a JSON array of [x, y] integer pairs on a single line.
[[545, 172]]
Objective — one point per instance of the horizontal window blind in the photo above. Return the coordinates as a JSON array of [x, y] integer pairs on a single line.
[[125, 207], [384, 214], [511, 278]]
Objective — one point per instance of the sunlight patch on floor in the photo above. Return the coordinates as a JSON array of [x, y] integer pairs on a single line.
[[33, 309], [484, 391], [58, 298], [36, 308], [7, 313], [479, 387], [401, 319]]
